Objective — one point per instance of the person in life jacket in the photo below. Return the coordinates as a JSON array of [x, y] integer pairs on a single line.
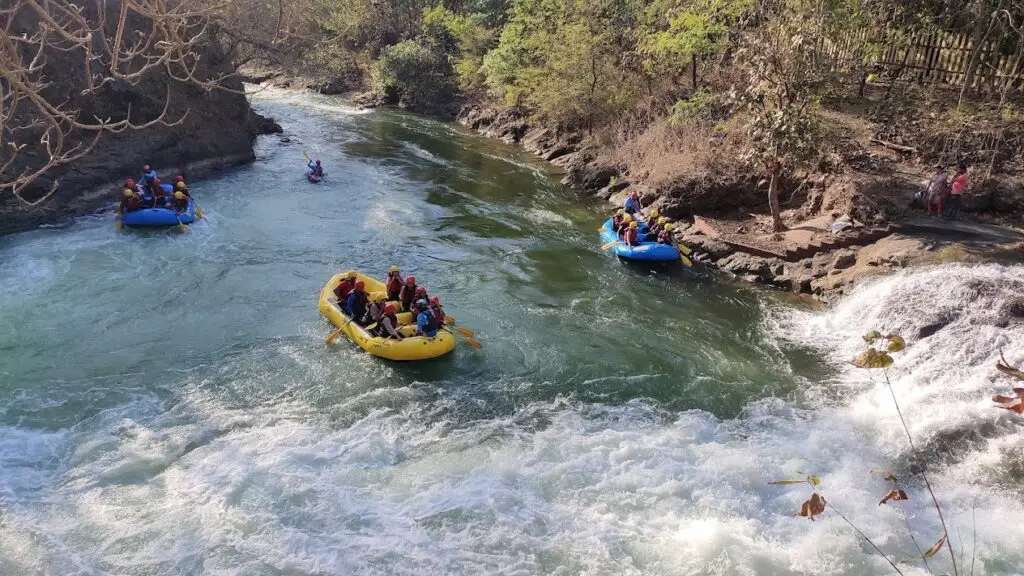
[[180, 186], [652, 217], [425, 320], [657, 226], [617, 219], [157, 192], [315, 170], [420, 295], [180, 202], [626, 221], [356, 303], [148, 175], [376, 309], [394, 283], [130, 200], [407, 293], [387, 326], [632, 205], [630, 237], [438, 311], [344, 287], [665, 236]]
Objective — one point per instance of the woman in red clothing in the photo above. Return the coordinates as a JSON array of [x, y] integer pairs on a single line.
[[956, 193]]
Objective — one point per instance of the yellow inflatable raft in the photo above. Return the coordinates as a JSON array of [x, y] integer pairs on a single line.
[[410, 348]]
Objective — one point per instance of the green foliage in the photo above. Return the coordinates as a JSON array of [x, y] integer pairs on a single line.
[[463, 39], [412, 75], [679, 30], [685, 110]]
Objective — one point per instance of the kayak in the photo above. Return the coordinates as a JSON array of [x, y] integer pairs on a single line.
[[407, 349], [645, 251], [158, 217], [315, 179]]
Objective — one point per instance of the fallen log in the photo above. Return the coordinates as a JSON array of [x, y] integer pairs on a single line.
[[894, 146]]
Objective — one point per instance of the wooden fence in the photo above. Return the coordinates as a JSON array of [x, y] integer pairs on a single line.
[[943, 58]]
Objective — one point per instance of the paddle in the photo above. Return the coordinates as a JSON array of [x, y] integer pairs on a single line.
[[472, 343], [686, 261], [334, 335], [463, 331], [609, 245], [117, 224], [181, 226]]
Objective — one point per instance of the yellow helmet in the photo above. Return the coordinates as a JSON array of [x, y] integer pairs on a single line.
[[393, 269], [662, 220], [379, 297], [128, 192], [352, 275], [627, 219], [654, 213], [180, 186], [669, 227], [632, 225], [179, 195], [620, 212]]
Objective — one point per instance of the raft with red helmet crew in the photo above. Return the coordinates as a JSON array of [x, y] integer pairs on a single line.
[[395, 319], [152, 203]]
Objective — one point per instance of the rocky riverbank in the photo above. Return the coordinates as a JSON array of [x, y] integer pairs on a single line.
[[841, 223]]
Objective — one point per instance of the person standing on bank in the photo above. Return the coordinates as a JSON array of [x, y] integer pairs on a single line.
[[956, 193]]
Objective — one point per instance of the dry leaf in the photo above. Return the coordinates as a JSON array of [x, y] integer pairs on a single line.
[[1004, 399], [1017, 408], [1003, 366], [812, 507], [894, 495], [872, 358], [935, 549], [784, 482], [872, 336], [896, 343]]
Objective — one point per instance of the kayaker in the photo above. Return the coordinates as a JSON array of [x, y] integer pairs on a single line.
[[376, 309], [407, 293], [626, 221], [617, 219], [665, 236], [344, 287], [394, 283], [387, 326], [129, 199], [355, 305], [315, 170], [630, 237], [632, 206], [180, 201], [438, 311], [425, 320]]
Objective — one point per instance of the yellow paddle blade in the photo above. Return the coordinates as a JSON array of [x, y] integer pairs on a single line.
[[684, 249], [118, 225], [473, 343], [609, 245], [305, 155], [199, 213], [449, 319], [334, 336], [464, 332], [181, 228], [686, 261]]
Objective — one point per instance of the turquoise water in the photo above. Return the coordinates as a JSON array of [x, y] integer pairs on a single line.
[[168, 404]]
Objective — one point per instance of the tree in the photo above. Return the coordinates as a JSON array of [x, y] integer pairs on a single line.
[[103, 47], [785, 74]]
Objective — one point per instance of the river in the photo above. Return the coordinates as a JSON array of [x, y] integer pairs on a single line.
[[168, 405]]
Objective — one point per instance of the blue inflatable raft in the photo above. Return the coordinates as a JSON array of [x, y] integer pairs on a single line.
[[645, 251], [159, 217]]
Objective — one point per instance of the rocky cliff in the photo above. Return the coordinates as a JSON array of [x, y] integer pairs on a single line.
[[218, 130]]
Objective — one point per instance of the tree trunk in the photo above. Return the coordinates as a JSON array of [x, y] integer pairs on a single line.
[[773, 200], [693, 71]]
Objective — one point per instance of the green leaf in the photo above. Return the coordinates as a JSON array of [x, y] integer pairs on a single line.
[[814, 480], [872, 358], [896, 343], [784, 482], [872, 336]]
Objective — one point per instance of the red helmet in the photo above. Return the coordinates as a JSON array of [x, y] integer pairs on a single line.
[[634, 195], [421, 290], [146, 167], [360, 285], [129, 182], [434, 300], [179, 178], [317, 162], [410, 280], [389, 309], [156, 180]]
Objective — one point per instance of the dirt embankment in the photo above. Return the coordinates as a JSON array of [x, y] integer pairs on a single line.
[[217, 130], [864, 187]]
